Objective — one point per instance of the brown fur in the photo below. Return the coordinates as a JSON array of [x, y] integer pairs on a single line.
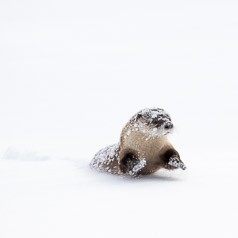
[[156, 151]]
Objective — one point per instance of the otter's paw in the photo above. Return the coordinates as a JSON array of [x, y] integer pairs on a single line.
[[127, 163], [175, 162], [139, 166], [131, 164]]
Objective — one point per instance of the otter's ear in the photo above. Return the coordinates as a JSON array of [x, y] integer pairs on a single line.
[[128, 162]]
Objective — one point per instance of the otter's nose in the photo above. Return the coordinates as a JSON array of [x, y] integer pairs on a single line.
[[168, 125]]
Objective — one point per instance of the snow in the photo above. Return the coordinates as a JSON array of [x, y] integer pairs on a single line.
[[64, 197], [72, 73]]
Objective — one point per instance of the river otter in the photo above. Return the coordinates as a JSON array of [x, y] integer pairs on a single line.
[[143, 148]]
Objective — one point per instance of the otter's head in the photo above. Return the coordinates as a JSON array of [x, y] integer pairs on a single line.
[[154, 121]]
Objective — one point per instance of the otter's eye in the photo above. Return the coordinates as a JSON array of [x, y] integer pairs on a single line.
[[168, 125], [158, 122]]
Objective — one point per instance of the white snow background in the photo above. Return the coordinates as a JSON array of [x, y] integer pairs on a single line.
[[73, 72]]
